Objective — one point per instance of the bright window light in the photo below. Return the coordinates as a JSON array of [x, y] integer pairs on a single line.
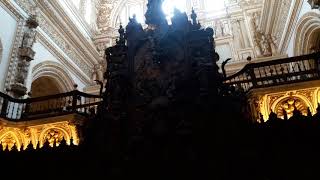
[[88, 11], [138, 12], [169, 6], [76, 3], [212, 5]]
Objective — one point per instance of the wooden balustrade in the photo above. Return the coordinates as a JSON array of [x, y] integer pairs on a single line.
[[48, 106], [276, 72]]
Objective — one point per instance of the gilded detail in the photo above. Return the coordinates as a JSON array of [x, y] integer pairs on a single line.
[[37, 135]]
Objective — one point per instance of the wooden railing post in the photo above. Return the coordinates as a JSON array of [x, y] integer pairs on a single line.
[[27, 108], [4, 108], [253, 77], [74, 101], [317, 64]]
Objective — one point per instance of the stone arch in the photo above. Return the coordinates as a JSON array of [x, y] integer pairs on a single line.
[[305, 103], [9, 136], [46, 131], [55, 71], [308, 27], [116, 11]]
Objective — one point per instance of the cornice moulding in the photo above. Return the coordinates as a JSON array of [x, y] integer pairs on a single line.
[[57, 15], [63, 58], [79, 17], [291, 26]]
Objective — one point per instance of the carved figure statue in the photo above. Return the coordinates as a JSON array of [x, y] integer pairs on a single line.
[[154, 15], [272, 43], [28, 38], [97, 73], [266, 47]]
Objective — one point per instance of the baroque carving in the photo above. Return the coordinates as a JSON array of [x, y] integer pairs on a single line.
[[37, 134], [282, 19], [222, 28], [26, 54], [287, 101], [158, 68], [14, 54], [54, 137], [8, 141], [97, 73], [104, 14], [287, 106], [264, 43], [245, 3]]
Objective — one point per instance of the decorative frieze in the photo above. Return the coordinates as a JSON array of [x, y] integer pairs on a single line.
[[282, 20], [38, 133], [104, 15], [282, 101], [14, 58]]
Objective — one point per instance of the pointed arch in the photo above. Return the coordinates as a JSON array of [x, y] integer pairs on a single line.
[[303, 99], [10, 135], [63, 131]]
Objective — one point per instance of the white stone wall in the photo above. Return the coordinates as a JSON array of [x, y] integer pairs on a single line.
[[43, 54], [48, 48], [304, 9], [7, 34]]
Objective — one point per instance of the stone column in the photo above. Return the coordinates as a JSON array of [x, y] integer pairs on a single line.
[[26, 54]]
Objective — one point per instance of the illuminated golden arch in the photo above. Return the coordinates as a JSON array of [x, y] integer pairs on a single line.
[[10, 139], [296, 96], [43, 134], [307, 26], [317, 98]]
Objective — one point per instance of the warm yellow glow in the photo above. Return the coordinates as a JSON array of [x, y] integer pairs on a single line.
[[53, 131], [287, 100]]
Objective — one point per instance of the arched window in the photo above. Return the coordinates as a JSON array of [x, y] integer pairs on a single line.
[[169, 6]]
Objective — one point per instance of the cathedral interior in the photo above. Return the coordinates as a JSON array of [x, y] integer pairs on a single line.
[[197, 89]]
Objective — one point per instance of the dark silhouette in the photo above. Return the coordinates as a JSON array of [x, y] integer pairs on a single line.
[[167, 112]]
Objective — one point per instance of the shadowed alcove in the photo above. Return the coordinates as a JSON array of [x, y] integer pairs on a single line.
[[44, 86]]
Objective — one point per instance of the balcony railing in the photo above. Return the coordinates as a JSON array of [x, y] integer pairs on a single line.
[[54, 105], [276, 72]]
